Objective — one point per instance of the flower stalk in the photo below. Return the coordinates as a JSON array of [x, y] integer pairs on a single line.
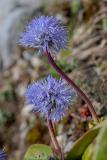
[[54, 140], [71, 82]]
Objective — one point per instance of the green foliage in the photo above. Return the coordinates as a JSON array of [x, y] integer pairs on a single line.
[[66, 67], [38, 152], [100, 150], [104, 23], [4, 117], [7, 94], [88, 152], [82, 143], [76, 5]]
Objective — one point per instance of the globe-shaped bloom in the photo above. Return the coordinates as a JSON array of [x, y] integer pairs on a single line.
[[51, 97], [3, 155], [45, 32]]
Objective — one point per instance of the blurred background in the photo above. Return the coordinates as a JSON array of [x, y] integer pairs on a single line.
[[85, 61]]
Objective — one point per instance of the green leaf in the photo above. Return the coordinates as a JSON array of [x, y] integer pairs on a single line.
[[88, 152], [38, 152], [100, 150], [5, 116], [104, 23], [82, 143], [76, 5]]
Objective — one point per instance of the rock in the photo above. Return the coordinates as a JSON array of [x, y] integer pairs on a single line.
[[35, 61], [13, 18], [68, 146], [62, 139], [26, 111], [20, 90]]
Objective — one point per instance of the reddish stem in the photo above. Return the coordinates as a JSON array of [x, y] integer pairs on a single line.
[[79, 91], [54, 140]]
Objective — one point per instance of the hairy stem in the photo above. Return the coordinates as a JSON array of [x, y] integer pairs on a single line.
[[54, 140], [79, 91]]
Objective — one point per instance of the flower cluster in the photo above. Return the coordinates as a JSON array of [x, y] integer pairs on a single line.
[[3, 155], [45, 32], [51, 97]]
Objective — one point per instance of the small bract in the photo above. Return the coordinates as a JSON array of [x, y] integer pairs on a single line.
[[45, 32], [51, 97]]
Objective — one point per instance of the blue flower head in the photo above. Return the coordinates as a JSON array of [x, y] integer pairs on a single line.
[[3, 155], [51, 97], [45, 32]]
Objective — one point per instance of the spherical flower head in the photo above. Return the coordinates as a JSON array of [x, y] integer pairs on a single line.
[[51, 97], [3, 155], [45, 32]]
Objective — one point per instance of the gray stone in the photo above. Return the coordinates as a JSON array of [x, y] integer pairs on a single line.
[[13, 15]]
